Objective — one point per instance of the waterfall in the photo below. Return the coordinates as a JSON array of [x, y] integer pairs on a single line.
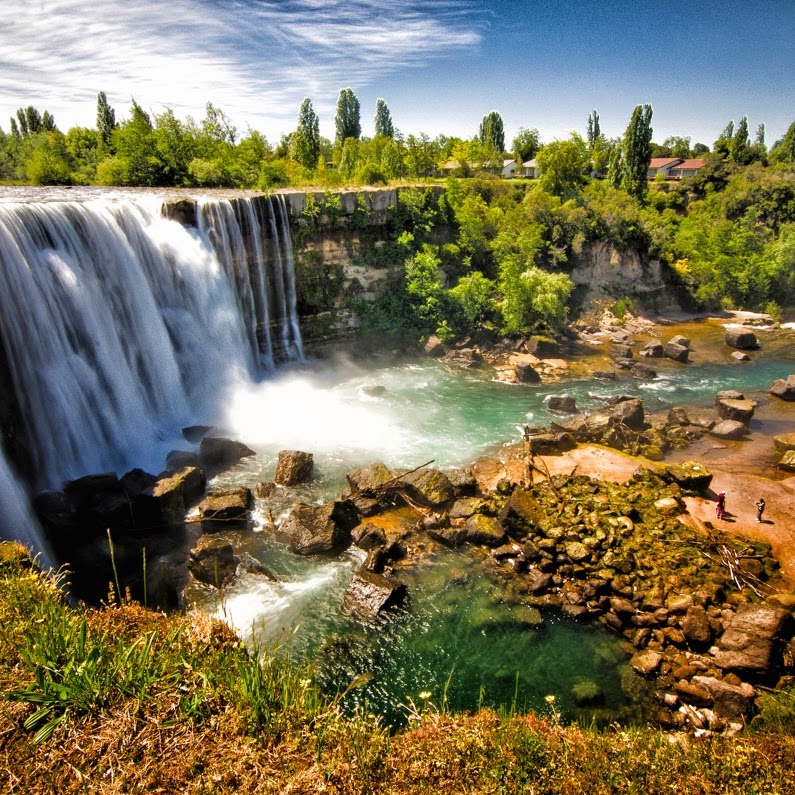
[[120, 326], [263, 276]]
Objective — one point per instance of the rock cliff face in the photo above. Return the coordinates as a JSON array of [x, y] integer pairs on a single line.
[[604, 270]]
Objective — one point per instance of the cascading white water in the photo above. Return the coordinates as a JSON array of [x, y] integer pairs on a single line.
[[121, 326], [263, 276]]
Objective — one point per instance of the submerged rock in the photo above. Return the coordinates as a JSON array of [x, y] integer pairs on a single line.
[[370, 594]]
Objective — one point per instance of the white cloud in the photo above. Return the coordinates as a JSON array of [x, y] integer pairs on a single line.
[[255, 59]]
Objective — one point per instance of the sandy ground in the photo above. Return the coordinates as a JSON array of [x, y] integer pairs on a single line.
[[742, 491]]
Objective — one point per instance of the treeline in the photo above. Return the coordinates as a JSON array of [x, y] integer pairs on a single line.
[[151, 150]]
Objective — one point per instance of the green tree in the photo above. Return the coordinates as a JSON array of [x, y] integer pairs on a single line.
[[740, 146], [305, 142], [563, 165], [594, 132], [106, 118], [492, 132], [383, 120], [48, 161], [31, 122], [532, 299], [473, 298], [424, 288], [636, 153], [783, 150], [176, 148], [347, 122], [135, 144], [526, 144]]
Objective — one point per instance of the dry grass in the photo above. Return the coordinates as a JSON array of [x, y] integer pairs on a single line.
[[210, 725]]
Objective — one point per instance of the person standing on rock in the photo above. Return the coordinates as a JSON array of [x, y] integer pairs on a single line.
[[760, 508], [720, 506]]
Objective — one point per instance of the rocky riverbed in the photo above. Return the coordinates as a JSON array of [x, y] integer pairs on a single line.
[[583, 518]]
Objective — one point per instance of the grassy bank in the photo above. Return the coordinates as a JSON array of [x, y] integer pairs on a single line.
[[126, 700]]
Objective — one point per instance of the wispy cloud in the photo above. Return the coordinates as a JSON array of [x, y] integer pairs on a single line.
[[256, 59]]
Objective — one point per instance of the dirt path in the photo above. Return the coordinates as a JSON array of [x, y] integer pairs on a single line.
[[742, 491]]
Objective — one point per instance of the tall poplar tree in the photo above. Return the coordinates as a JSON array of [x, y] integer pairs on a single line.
[[305, 142], [594, 130], [106, 118], [739, 149], [348, 121], [492, 131], [383, 120], [637, 153]]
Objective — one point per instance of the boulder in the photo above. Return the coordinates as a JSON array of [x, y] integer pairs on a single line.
[[630, 413], [728, 394], [449, 536], [542, 347], [619, 352], [265, 489], [370, 477], [693, 694], [484, 530], [526, 374], [213, 561], [465, 358], [740, 356], [739, 410], [747, 645], [463, 481], [552, 443], [368, 536], [728, 700], [225, 508], [217, 453], [646, 663], [373, 390], [562, 403], [429, 487], [679, 339], [783, 388], [643, 371], [787, 461], [465, 507], [434, 347], [313, 530], [729, 429], [678, 415], [100, 501], [293, 467], [677, 352], [741, 338], [696, 626], [522, 514], [690, 475], [370, 594], [604, 374], [165, 500], [653, 350]]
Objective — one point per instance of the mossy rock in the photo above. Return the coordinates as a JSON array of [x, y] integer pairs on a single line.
[[587, 693], [689, 475]]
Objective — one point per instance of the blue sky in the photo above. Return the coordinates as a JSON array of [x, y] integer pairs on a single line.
[[441, 65]]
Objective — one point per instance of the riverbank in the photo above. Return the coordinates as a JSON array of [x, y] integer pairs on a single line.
[[185, 711]]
